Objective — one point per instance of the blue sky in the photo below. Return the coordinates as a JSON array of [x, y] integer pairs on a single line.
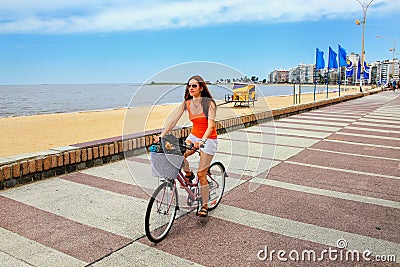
[[121, 41]]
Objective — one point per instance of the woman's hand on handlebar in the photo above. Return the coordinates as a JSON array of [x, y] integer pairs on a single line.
[[157, 138], [197, 145], [194, 146]]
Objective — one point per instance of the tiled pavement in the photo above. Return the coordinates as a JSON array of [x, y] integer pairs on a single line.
[[297, 184]]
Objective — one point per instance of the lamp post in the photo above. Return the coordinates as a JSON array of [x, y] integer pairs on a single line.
[[393, 50], [364, 8]]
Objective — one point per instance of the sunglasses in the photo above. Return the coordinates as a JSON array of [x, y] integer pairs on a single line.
[[192, 85]]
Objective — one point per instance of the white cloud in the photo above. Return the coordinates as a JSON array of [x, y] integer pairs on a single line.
[[74, 16]]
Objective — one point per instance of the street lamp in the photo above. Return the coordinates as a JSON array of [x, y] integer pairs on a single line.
[[393, 50], [364, 8]]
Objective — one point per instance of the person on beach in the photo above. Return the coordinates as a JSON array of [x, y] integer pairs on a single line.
[[201, 109]]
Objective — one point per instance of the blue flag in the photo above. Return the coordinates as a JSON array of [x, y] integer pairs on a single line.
[[342, 56], [320, 62], [358, 70], [349, 69], [366, 71], [332, 63]]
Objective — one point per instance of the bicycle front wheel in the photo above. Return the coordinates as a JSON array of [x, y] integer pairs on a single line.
[[161, 212], [216, 180]]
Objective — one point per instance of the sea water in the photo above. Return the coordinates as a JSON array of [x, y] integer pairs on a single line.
[[25, 100]]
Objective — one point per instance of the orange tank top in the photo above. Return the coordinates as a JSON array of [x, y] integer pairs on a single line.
[[200, 123]]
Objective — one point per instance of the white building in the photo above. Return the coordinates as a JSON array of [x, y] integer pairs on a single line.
[[306, 72], [387, 70], [303, 73], [278, 76]]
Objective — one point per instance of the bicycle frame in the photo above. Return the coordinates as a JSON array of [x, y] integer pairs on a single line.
[[185, 183]]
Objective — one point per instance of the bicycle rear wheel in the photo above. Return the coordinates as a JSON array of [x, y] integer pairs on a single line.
[[161, 212], [216, 180]]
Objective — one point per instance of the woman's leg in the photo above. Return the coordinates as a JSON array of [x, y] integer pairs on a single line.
[[204, 164], [186, 166]]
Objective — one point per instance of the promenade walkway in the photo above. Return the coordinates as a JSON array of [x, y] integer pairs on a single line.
[[309, 182]]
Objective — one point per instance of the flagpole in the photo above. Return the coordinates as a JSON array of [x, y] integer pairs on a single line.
[[339, 79], [315, 82], [315, 70], [342, 62], [327, 75], [319, 64], [327, 82], [357, 71]]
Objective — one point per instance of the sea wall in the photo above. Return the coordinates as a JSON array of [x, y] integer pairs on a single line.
[[26, 168]]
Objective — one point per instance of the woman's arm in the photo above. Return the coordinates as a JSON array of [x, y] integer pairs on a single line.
[[172, 123]]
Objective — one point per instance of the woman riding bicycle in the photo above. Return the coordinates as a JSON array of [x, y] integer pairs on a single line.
[[201, 109]]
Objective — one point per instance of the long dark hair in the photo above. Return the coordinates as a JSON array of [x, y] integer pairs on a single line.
[[206, 97]]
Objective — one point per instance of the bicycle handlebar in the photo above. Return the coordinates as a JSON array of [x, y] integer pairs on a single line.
[[190, 146], [171, 143], [173, 146]]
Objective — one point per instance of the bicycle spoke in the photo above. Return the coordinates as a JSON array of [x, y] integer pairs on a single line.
[[161, 212], [216, 179]]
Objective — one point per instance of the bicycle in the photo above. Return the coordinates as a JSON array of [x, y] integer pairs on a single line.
[[164, 203]]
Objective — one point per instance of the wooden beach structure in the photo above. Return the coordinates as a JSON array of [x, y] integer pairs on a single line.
[[243, 94]]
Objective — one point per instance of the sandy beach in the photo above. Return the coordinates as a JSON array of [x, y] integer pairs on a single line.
[[29, 134]]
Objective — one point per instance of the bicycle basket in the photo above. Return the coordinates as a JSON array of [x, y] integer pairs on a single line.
[[165, 165]]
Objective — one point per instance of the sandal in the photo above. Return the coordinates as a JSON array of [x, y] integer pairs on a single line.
[[203, 212]]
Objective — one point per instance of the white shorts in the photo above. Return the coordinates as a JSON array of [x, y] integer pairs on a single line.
[[210, 147]]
